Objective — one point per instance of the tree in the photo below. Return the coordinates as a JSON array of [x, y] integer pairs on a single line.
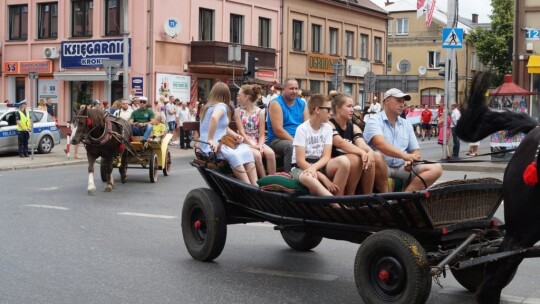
[[492, 45]]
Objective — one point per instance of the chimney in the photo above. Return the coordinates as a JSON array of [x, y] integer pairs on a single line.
[[388, 2], [474, 18]]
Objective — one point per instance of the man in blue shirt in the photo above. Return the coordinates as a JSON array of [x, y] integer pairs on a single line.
[[285, 114], [394, 137]]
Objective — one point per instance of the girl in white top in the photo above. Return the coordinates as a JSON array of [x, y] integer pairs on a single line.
[[312, 152], [250, 122]]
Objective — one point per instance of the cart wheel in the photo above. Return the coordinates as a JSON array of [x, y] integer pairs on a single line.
[[168, 164], [391, 267], [103, 172], [300, 241], [204, 224], [471, 278], [153, 168]]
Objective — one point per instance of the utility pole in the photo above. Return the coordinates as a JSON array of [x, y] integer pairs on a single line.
[[450, 74], [126, 51]]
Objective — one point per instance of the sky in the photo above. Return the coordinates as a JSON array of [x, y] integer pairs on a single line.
[[466, 7]]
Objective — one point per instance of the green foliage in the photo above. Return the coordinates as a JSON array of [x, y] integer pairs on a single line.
[[492, 44]]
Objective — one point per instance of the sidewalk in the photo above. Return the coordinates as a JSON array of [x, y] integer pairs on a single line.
[[57, 157]]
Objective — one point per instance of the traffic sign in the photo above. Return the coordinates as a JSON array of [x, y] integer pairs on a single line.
[[452, 38], [369, 82], [334, 78]]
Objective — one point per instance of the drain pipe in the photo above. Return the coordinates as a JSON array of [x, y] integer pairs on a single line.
[[281, 44], [126, 51], [150, 53]]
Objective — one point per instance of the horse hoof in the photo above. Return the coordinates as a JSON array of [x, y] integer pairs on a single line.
[[123, 180], [91, 191], [107, 189]]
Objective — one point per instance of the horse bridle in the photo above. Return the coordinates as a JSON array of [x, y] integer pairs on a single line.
[[87, 138]]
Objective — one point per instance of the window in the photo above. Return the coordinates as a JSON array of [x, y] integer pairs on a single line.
[[206, 24], [434, 58], [299, 83], [315, 38], [314, 86], [114, 20], [331, 87], [18, 22], [402, 26], [390, 27], [378, 49], [264, 32], [297, 34], [237, 29], [348, 89], [47, 20], [349, 42], [333, 41], [82, 20], [81, 92], [364, 46], [389, 61]]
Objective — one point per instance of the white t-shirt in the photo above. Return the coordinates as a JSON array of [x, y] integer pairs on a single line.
[[456, 115], [124, 114], [375, 108], [172, 109], [313, 140], [183, 115]]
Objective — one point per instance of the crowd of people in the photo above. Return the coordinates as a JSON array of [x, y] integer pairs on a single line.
[[322, 148]]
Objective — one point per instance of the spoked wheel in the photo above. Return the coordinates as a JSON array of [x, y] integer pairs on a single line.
[[391, 267], [204, 225], [153, 168], [103, 171], [300, 241], [168, 164]]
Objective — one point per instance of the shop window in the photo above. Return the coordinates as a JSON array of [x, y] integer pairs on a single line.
[[333, 33], [237, 29], [204, 86], [48, 20], [264, 32], [348, 89], [314, 86], [349, 42], [297, 36], [19, 89], [114, 21], [18, 22], [315, 38], [206, 24], [389, 61], [82, 18], [402, 26], [364, 46], [377, 49], [82, 93], [434, 59]]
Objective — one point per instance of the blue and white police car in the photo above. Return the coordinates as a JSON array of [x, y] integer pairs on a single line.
[[45, 129]]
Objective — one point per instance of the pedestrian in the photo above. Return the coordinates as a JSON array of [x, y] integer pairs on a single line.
[[456, 114], [440, 139], [41, 105], [473, 148], [50, 107], [73, 131], [117, 105], [426, 122], [170, 114], [23, 128], [182, 115], [125, 110]]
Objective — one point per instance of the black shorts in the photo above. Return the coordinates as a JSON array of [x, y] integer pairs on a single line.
[[426, 126]]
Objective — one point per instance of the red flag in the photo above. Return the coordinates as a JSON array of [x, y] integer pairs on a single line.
[[430, 10]]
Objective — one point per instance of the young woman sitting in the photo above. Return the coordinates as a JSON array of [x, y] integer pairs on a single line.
[[367, 167], [250, 121]]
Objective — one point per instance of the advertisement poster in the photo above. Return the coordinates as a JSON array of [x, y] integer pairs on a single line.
[[48, 89], [175, 85], [137, 83]]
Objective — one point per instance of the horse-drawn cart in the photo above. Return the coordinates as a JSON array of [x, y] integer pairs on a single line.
[[406, 237], [154, 156]]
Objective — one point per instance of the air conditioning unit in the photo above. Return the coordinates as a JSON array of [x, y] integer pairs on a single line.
[[50, 52]]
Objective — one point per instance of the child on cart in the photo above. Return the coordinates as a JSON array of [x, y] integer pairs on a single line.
[[312, 164], [159, 129]]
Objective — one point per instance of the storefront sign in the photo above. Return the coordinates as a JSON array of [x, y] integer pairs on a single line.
[[356, 67], [175, 85], [137, 84], [321, 63], [532, 34], [25, 67], [91, 53], [265, 74]]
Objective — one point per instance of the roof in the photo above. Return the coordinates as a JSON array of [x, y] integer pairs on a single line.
[[363, 4], [509, 88]]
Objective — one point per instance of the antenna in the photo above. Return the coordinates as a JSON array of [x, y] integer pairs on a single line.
[[172, 27]]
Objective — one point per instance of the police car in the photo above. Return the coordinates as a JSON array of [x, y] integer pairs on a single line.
[[46, 132]]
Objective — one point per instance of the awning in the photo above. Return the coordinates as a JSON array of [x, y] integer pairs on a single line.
[[84, 76], [534, 64]]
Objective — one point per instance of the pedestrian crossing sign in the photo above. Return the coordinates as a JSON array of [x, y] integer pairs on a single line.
[[452, 38]]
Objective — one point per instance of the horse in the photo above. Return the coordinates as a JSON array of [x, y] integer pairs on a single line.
[[105, 136], [521, 190]]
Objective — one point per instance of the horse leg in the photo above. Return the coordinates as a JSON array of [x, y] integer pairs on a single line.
[[123, 168], [110, 180], [91, 186]]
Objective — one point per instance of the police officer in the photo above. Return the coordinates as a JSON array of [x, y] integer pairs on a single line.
[[23, 128]]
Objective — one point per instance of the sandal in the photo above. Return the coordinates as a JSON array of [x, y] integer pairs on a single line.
[[77, 157]]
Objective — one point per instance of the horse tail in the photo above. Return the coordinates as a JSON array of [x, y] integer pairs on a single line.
[[478, 121]]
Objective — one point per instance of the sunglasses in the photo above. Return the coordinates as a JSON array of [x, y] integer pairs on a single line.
[[329, 109], [142, 101]]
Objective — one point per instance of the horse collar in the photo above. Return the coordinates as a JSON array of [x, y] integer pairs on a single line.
[[105, 136]]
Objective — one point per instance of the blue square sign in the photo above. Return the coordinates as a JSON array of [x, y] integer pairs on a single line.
[[452, 38]]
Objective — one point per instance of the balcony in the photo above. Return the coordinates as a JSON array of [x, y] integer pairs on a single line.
[[212, 57]]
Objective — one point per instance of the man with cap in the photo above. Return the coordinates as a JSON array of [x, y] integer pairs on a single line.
[[394, 136], [23, 128], [140, 119]]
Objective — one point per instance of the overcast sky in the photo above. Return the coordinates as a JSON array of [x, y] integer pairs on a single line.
[[466, 7]]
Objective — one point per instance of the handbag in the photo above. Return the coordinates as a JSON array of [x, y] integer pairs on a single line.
[[229, 141]]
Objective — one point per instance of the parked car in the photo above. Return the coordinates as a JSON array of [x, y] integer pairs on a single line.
[[46, 133]]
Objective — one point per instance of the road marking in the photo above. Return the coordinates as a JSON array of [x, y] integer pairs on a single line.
[[290, 274], [266, 225], [184, 170], [49, 189], [166, 217], [48, 207]]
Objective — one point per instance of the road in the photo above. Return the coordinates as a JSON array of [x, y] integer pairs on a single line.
[[60, 245]]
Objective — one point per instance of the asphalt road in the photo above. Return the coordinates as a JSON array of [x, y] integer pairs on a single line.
[[60, 245]]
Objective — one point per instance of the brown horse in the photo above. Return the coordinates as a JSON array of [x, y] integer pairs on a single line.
[[521, 190], [105, 136]]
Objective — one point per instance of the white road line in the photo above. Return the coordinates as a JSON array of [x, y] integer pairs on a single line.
[[266, 225], [290, 274], [184, 170], [49, 189], [165, 217], [48, 207]]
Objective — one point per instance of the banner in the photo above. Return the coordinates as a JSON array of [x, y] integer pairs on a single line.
[[176, 85]]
